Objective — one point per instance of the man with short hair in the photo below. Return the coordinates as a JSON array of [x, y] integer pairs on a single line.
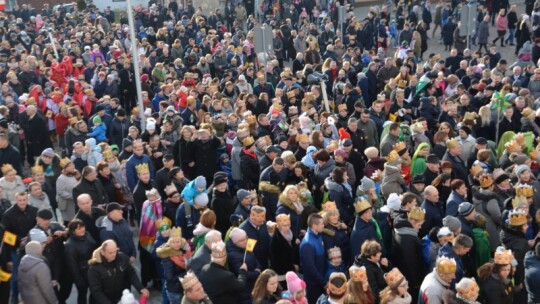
[[193, 290], [91, 185], [89, 214], [202, 255], [391, 139], [114, 227], [460, 246], [434, 212], [313, 258], [367, 125], [256, 228], [457, 196], [35, 277]]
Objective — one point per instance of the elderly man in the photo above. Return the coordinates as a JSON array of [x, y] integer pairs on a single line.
[[114, 227], [438, 280], [434, 211], [202, 255], [193, 290], [89, 214]]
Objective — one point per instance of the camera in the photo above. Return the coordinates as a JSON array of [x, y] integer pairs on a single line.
[[316, 78]]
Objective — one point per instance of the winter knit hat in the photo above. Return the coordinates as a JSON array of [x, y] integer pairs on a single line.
[[237, 235], [366, 184], [242, 194], [37, 235], [96, 120], [465, 208], [49, 152], [294, 283], [126, 143], [521, 168], [33, 248], [200, 182], [393, 202], [452, 223], [201, 200]]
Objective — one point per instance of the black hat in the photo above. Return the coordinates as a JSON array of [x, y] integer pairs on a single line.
[[481, 141], [168, 156], [466, 129], [45, 214], [99, 107], [113, 206], [433, 159], [418, 179], [220, 179], [489, 88], [271, 149], [220, 173], [126, 143], [501, 178], [121, 112]]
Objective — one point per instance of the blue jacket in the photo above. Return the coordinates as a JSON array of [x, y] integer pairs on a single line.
[[235, 257], [362, 231], [262, 248], [452, 203], [156, 100], [99, 132], [131, 172], [331, 269], [119, 232], [434, 216], [532, 276], [334, 237], [447, 251], [313, 259], [189, 192], [187, 223]]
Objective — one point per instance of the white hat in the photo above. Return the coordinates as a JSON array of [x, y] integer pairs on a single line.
[[242, 78], [150, 124], [393, 202]]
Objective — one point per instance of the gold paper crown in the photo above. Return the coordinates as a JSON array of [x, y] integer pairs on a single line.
[[283, 219], [475, 169], [89, 92], [175, 232], [248, 141], [243, 125], [486, 181], [309, 96], [527, 112], [7, 168], [170, 189], [277, 106], [361, 205], [165, 221], [302, 137], [400, 146], [470, 292], [393, 278], [358, 274], [393, 156], [524, 190], [519, 201], [37, 169], [334, 252], [251, 119], [268, 139], [512, 146], [107, 154], [469, 116], [520, 139], [142, 168], [291, 94], [330, 205], [446, 265], [64, 162], [517, 218], [333, 288], [534, 155], [417, 214], [342, 106], [218, 250], [189, 280], [503, 257]]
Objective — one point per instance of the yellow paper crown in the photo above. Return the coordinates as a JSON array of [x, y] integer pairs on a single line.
[[517, 218], [189, 280], [527, 112], [165, 221], [520, 139], [251, 119], [64, 162], [524, 190], [330, 205], [333, 288], [475, 169], [417, 214], [361, 205], [175, 232], [393, 156], [512, 146], [358, 274], [107, 154], [37, 169], [535, 155], [469, 116], [470, 292], [503, 257], [142, 168], [446, 265], [291, 94], [6, 168], [519, 201], [486, 181], [342, 106], [277, 106], [393, 278], [248, 141], [400, 146]]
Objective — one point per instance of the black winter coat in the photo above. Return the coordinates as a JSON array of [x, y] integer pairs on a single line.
[[77, 252], [495, 291], [283, 255], [37, 135], [517, 242], [375, 275], [90, 221], [407, 244], [19, 222], [94, 189], [235, 258], [107, 280], [223, 205], [206, 158], [118, 130], [250, 169], [221, 285]]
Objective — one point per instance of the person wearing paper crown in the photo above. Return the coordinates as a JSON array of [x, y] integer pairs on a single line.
[[365, 227], [495, 280], [256, 228], [335, 233], [392, 180], [174, 255], [436, 282], [407, 244], [283, 249], [513, 237], [358, 289], [195, 201], [336, 290], [193, 290], [396, 291], [467, 291]]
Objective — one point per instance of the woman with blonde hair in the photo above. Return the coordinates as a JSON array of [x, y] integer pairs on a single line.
[[289, 203]]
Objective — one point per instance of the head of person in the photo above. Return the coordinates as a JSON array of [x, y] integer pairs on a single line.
[[76, 228], [316, 223], [212, 236], [193, 289], [446, 269], [431, 194], [109, 250], [257, 216], [114, 211], [371, 250], [266, 284], [84, 202], [462, 244]]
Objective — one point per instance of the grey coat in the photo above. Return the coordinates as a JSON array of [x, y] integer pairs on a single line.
[[483, 32], [35, 281], [486, 203], [387, 144], [392, 181], [235, 158]]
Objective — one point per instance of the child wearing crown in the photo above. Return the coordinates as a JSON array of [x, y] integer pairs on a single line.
[[334, 263], [335, 233]]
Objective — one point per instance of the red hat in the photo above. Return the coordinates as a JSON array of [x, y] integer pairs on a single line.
[[343, 134], [275, 112], [144, 77]]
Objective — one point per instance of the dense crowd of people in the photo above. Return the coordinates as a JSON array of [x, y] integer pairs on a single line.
[[340, 167]]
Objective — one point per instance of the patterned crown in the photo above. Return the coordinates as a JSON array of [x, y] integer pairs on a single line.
[[283, 219], [291, 94], [524, 190], [165, 221], [243, 125], [64, 162], [142, 168], [486, 181], [189, 280], [358, 274], [520, 139], [37, 169], [512, 146], [334, 252], [361, 205], [251, 119], [393, 156], [446, 265], [309, 96], [333, 288], [417, 214], [393, 278], [517, 218], [107, 154], [475, 169], [170, 190], [470, 292], [175, 232], [248, 141], [535, 155], [519, 201], [7, 168], [503, 257], [400, 146], [218, 250]]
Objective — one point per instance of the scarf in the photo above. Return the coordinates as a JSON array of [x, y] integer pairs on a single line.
[[288, 236], [180, 260], [250, 153], [151, 212], [298, 206]]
